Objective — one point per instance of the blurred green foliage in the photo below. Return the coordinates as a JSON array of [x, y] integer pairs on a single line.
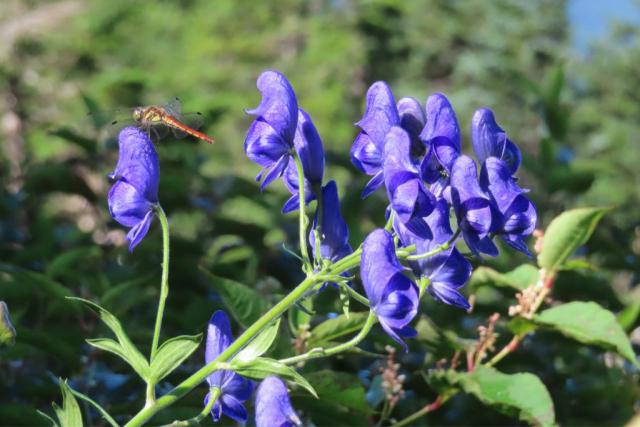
[[576, 119]]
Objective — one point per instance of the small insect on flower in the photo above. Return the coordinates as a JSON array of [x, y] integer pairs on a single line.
[[157, 120]]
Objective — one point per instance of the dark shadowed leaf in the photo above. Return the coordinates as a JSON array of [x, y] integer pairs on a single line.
[[244, 304]]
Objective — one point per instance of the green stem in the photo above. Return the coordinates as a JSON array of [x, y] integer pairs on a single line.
[[440, 400], [195, 421], [302, 223], [437, 250], [321, 352], [199, 376], [164, 292], [317, 232]]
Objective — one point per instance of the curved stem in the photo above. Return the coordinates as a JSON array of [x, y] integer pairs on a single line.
[[437, 250], [302, 222], [422, 412], [164, 292], [321, 352]]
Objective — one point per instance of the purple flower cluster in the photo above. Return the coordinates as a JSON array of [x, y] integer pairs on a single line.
[[417, 155], [273, 407], [280, 130]]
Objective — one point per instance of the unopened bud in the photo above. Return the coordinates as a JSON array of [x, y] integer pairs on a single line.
[[7, 331]]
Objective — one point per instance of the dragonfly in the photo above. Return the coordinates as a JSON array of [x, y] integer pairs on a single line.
[[157, 120]]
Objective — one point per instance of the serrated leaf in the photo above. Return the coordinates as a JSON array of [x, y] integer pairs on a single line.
[[263, 367], [69, 415], [125, 348], [522, 395], [244, 303], [520, 278], [171, 354], [566, 233], [260, 344], [331, 329], [589, 323], [99, 408]]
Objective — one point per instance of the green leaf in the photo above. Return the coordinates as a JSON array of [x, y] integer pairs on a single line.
[[100, 409], [69, 415], [589, 323], [331, 329], [628, 317], [38, 281], [244, 303], [522, 395], [260, 344], [566, 233], [263, 367], [520, 278], [124, 347], [53, 422], [7, 331], [342, 389], [68, 260], [171, 354]]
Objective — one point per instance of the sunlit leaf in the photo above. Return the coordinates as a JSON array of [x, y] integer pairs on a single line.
[[260, 344], [263, 367], [171, 354]]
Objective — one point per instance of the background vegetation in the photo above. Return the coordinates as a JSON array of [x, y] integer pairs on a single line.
[[576, 115]]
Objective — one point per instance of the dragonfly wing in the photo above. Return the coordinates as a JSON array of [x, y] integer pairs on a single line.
[[174, 107], [156, 133], [193, 120]]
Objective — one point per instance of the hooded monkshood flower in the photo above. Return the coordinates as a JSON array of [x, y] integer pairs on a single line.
[[518, 216], [412, 119], [234, 389], [273, 406], [489, 140], [473, 208], [269, 141], [368, 148], [308, 145], [409, 197], [447, 271], [392, 295], [334, 241], [135, 192], [441, 135]]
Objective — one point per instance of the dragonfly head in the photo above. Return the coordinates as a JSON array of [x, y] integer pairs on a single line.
[[138, 114]]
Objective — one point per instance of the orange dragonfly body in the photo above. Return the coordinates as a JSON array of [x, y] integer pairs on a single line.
[[156, 120], [149, 118]]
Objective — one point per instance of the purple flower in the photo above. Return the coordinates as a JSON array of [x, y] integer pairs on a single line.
[[368, 148], [392, 295], [518, 216], [334, 239], [447, 271], [234, 389], [270, 139], [412, 119], [135, 191], [409, 197], [308, 145], [473, 207], [441, 135], [273, 406], [489, 140]]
